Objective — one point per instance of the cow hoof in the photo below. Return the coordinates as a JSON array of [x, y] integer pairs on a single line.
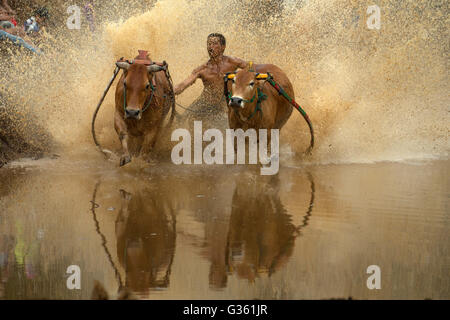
[[124, 160]]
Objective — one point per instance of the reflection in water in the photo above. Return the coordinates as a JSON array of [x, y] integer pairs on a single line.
[[145, 230], [6, 248], [25, 270], [97, 228], [311, 204], [261, 234], [234, 229]]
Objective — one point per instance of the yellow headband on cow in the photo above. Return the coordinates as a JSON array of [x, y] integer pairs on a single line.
[[262, 76], [231, 76]]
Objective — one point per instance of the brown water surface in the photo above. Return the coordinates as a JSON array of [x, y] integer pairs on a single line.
[[376, 98], [224, 232]]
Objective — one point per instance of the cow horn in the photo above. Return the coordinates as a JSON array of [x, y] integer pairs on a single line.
[[154, 68], [123, 65]]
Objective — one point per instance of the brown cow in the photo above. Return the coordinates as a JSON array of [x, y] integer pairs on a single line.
[[148, 99], [146, 235], [248, 109], [261, 235]]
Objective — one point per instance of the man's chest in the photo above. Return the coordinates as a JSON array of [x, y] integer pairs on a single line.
[[217, 71]]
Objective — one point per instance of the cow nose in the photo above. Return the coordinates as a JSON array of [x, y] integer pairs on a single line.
[[132, 113], [236, 102]]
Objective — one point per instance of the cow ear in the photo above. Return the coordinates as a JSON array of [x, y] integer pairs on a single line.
[[123, 65]]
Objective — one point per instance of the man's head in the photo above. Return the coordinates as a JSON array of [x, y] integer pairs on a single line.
[[216, 44]]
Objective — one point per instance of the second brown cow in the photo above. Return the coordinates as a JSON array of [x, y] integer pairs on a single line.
[[254, 103]]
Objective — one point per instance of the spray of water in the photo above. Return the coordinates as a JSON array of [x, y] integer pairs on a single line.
[[372, 95]]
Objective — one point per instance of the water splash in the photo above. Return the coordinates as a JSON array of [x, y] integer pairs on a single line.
[[372, 95]]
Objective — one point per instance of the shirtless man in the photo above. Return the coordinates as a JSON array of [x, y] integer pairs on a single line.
[[211, 104]]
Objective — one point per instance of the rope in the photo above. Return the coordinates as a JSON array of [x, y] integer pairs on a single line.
[[311, 204], [296, 105], [196, 111], [172, 94], [116, 71], [261, 97], [103, 238]]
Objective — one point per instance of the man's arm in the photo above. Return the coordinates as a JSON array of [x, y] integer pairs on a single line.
[[239, 62], [179, 88]]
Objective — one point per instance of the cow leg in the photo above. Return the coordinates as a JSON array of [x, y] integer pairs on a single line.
[[149, 143], [126, 157], [273, 156], [121, 129], [122, 217], [267, 156], [140, 141]]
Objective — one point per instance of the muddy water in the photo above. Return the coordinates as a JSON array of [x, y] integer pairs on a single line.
[[169, 232], [179, 232]]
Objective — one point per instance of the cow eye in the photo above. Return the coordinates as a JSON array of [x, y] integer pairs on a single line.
[[232, 80], [147, 86], [251, 84]]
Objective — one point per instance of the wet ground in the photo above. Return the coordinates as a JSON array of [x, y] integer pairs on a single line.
[[225, 232]]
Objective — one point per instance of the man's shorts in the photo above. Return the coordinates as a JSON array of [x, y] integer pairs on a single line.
[[213, 115]]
